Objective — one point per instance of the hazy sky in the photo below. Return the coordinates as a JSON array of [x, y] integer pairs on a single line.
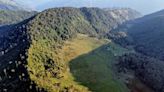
[[143, 6]]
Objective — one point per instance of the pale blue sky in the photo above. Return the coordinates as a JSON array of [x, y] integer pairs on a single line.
[[143, 6]]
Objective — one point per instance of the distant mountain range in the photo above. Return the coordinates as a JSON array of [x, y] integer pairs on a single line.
[[12, 5], [8, 17], [11, 12]]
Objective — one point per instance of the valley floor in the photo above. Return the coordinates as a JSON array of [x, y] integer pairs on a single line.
[[90, 63]]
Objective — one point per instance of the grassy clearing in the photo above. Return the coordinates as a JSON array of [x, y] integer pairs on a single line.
[[94, 69], [84, 64], [91, 64]]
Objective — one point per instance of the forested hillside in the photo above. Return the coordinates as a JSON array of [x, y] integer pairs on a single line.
[[145, 36], [42, 53], [147, 33], [147, 69]]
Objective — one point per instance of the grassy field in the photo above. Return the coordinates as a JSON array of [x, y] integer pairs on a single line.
[[86, 63], [91, 63]]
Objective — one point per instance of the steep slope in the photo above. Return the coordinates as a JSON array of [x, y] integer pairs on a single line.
[[38, 54], [147, 69], [147, 33], [13, 46], [108, 19]]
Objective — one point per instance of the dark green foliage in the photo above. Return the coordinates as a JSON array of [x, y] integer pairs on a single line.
[[100, 20], [48, 30], [106, 20], [147, 69], [120, 37], [147, 33], [59, 24], [13, 71]]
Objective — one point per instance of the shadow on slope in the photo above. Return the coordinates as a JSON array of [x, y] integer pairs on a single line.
[[14, 44], [95, 70]]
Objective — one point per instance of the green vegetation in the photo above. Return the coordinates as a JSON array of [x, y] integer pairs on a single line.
[[145, 36], [58, 40], [95, 66], [149, 70], [95, 71], [10, 17], [148, 38], [45, 64]]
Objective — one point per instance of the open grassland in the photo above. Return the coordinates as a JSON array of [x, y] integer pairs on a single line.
[[83, 64], [94, 69]]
